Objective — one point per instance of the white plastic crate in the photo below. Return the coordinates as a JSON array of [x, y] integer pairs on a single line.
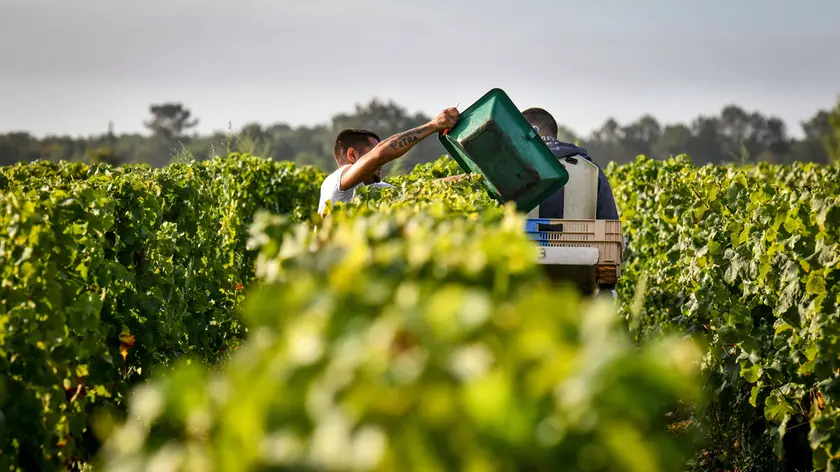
[[576, 242]]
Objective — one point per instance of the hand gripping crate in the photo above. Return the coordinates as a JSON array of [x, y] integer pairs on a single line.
[[595, 243]]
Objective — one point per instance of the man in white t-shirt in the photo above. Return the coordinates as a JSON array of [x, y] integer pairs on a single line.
[[360, 156]]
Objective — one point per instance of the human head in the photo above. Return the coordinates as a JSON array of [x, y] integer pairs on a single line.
[[543, 120], [351, 144]]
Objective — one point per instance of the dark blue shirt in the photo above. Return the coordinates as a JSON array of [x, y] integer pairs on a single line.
[[552, 207]]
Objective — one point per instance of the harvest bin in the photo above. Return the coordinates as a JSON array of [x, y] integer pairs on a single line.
[[495, 140], [601, 235]]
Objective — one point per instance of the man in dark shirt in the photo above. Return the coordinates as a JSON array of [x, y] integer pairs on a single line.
[[552, 207]]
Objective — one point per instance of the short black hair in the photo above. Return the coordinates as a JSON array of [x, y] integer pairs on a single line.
[[351, 138], [542, 120]]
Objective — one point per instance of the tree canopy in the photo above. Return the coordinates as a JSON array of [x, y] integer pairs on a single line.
[[735, 135]]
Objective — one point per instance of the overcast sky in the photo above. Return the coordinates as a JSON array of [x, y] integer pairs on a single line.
[[73, 66]]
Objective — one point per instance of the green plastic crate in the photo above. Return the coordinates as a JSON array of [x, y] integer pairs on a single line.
[[493, 139]]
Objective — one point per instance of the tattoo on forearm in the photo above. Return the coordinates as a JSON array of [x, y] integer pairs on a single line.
[[403, 141], [406, 138]]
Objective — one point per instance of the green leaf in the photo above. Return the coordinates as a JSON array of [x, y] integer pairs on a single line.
[[756, 389], [816, 284], [752, 373], [776, 408]]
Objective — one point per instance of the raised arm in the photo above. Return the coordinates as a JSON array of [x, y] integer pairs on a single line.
[[395, 147]]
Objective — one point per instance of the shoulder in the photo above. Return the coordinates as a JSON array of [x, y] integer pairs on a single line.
[[336, 174], [331, 187], [331, 191], [561, 149], [332, 180], [569, 149]]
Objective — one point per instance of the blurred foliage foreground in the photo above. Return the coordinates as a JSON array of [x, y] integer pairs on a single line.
[[414, 331], [414, 341]]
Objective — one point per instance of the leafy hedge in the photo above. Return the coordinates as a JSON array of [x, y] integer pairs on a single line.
[[110, 273], [747, 259], [744, 259], [421, 189]]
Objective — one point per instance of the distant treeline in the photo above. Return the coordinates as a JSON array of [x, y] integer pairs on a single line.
[[736, 135]]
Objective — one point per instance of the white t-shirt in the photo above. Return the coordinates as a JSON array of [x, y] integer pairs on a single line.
[[330, 190]]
